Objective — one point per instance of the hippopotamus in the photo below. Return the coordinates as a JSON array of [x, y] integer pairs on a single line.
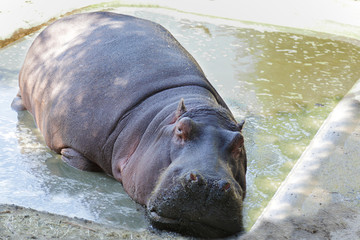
[[119, 94]]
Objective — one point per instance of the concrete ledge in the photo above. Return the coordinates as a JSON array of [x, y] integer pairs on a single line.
[[327, 173]]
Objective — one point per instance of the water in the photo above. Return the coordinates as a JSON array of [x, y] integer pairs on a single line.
[[284, 84]]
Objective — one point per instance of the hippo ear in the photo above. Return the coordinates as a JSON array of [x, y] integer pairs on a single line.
[[240, 125], [236, 144], [181, 109]]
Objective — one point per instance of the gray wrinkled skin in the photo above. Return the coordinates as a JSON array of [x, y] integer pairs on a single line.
[[119, 94]]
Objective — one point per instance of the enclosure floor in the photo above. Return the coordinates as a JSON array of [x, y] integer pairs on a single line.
[[24, 223]]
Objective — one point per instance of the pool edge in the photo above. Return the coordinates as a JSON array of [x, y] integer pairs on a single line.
[[312, 185]]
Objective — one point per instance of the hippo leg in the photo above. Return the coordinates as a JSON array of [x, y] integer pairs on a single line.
[[17, 103], [77, 160]]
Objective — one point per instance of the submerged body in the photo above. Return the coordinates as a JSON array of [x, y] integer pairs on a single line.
[[119, 94]]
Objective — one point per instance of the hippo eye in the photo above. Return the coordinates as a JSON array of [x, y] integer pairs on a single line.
[[184, 128], [178, 131]]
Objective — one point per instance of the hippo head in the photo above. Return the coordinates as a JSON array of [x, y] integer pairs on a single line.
[[201, 191]]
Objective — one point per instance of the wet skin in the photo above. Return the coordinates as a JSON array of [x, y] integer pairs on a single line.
[[119, 94]]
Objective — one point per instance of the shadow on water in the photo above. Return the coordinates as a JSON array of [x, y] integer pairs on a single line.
[[284, 84]]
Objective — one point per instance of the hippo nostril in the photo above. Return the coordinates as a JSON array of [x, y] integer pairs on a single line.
[[193, 177], [226, 186]]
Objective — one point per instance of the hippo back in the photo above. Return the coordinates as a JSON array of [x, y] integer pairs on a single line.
[[85, 72]]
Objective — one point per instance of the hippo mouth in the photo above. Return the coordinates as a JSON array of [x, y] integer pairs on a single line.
[[187, 227], [198, 207]]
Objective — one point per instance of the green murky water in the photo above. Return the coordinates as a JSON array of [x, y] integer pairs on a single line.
[[284, 84]]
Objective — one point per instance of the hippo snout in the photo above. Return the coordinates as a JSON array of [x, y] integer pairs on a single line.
[[198, 205]]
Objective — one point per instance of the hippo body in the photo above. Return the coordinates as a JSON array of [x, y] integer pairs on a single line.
[[119, 94]]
